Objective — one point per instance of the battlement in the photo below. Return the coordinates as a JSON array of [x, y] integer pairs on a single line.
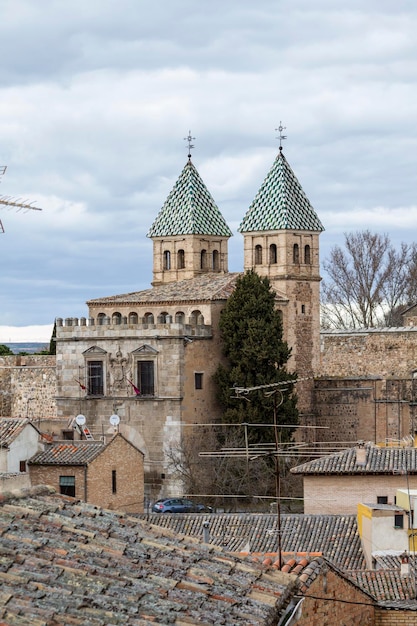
[[72, 328]]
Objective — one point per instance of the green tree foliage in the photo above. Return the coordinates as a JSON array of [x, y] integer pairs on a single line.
[[251, 331], [5, 350], [52, 343]]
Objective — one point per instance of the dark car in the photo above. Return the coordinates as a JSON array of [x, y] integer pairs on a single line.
[[179, 505]]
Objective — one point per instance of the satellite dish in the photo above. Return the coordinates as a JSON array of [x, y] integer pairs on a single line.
[[80, 419], [114, 420]]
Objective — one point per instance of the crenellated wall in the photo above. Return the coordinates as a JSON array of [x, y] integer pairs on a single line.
[[365, 386]]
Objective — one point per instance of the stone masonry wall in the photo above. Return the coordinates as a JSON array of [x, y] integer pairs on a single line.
[[28, 386]]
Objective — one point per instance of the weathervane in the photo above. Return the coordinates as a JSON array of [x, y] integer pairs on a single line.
[[190, 145], [281, 136], [11, 202]]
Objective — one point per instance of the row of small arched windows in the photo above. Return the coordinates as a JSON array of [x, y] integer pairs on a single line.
[[273, 255], [196, 318], [207, 261]]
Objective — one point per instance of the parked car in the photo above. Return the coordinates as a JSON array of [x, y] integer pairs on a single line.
[[179, 505]]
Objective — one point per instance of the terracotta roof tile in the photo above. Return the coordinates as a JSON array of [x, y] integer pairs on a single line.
[[334, 536], [10, 428], [102, 567], [378, 461], [68, 453]]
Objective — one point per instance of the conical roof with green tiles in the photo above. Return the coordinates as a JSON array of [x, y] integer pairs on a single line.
[[189, 209], [280, 203]]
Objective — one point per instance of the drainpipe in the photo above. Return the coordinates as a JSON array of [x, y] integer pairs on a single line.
[[85, 482]]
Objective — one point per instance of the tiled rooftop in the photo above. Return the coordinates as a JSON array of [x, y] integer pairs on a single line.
[[63, 561], [68, 453], [10, 428], [378, 461], [280, 203], [205, 287], [385, 585], [189, 209], [336, 537]]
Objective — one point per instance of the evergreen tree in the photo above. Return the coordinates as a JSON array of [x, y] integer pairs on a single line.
[[251, 330], [52, 342], [5, 350]]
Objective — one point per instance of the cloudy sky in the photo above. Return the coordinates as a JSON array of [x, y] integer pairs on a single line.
[[96, 97]]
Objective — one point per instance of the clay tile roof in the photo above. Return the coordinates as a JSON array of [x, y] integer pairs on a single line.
[[280, 203], [334, 536], [64, 561], [68, 453], [378, 461], [189, 209], [385, 585], [10, 428], [205, 287]]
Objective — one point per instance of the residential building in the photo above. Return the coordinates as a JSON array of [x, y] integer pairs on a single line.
[[107, 475], [337, 483]]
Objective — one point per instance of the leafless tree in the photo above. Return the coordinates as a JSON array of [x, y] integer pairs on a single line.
[[367, 281], [226, 480]]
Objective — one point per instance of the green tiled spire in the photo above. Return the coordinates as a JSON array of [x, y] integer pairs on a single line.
[[280, 203], [189, 209]]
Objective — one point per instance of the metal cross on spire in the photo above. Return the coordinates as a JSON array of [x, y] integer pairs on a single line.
[[281, 136], [190, 145], [8, 201]]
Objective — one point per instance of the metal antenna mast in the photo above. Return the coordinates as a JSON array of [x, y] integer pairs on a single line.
[[18, 204]]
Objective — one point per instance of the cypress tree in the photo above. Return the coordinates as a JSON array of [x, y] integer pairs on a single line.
[[251, 331]]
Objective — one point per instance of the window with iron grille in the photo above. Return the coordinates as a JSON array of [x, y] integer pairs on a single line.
[[95, 378], [146, 378]]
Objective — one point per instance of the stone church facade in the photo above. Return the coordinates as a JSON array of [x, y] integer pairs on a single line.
[[149, 356]]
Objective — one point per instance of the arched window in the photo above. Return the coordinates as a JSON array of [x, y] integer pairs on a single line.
[[258, 255], [116, 318], [167, 260], [148, 318], [307, 255], [180, 259], [273, 254], [100, 319], [196, 318], [296, 253], [203, 259], [162, 317], [216, 260], [133, 318], [179, 317]]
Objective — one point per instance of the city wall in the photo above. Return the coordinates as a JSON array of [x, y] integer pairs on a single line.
[[365, 386]]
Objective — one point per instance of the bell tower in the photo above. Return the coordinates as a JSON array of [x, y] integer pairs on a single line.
[[281, 241], [190, 235]]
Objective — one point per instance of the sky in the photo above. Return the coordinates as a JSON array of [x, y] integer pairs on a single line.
[[97, 96]]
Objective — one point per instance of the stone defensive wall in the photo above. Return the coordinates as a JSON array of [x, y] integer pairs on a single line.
[[383, 352], [365, 385], [28, 386]]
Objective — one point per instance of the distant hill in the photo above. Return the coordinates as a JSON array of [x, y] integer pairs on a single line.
[[30, 347]]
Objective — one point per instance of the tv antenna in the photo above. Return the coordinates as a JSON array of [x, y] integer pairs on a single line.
[[15, 203]]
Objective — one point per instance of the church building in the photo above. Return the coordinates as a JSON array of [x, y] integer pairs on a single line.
[[148, 357]]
